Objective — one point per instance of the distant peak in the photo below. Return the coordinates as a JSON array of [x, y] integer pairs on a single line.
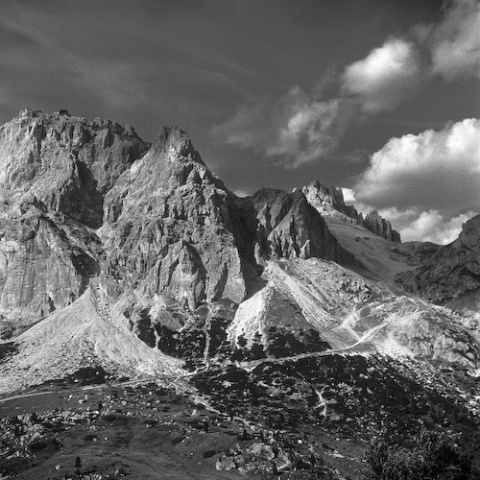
[[174, 139]]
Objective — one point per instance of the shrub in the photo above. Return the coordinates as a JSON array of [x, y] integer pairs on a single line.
[[427, 456]]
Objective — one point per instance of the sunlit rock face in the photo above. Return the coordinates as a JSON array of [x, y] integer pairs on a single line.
[[66, 163], [329, 201], [54, 173], [452, 275], [171, 227]]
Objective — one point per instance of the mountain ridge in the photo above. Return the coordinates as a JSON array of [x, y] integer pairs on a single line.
[[172, 238]]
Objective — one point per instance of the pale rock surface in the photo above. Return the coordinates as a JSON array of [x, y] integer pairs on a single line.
[[171, 228], [330, 201], [54, 173], [82, 334], [353, 314]]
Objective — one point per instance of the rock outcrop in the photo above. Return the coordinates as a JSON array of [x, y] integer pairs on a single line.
[[171, 228], [54, 173], [381, 227], [65, 163], [285, 225], [329, 201], [452, 275]]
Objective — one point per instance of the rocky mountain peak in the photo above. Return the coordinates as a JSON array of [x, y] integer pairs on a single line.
[[470, 234], [329, 201], [66, 163], [177, 144]]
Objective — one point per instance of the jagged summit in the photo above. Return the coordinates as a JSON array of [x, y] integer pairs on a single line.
[[177, 143], [65, 163]]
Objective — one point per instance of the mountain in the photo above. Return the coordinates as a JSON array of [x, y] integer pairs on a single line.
[[133, 260], [452, 275], [329, 201]]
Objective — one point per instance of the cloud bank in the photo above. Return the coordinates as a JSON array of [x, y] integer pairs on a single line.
[[429, 170], [426, 184], [427, 226]]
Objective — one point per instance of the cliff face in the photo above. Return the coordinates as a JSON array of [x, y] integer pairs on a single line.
[[171, 228], [452, 274], [285, 225], [381, 227], [66, 163], [54, 173]]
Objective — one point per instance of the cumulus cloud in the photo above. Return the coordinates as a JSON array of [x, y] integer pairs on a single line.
[[427, 226], [298, 129], [427, 185], [432, 170], [455, 42], [383, 79]]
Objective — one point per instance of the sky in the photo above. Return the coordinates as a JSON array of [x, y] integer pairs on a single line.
[[379, 97]]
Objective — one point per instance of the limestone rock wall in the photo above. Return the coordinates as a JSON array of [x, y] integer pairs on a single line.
[[66, 162], [170, 227]]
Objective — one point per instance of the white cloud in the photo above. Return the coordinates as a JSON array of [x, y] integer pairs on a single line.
[[427, 185], [385, 77], [432, 170], [455, 42], [298, 129], [426, 226], [310, 130], [348, 195]]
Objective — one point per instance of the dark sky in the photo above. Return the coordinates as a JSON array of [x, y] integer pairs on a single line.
[[372, 95]]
